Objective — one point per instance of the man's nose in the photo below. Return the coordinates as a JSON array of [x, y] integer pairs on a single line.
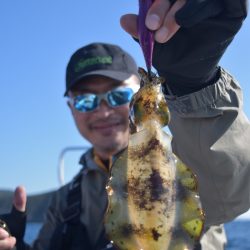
[[104, 109]]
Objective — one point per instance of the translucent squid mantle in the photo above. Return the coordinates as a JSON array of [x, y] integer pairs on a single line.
[[153, 198]]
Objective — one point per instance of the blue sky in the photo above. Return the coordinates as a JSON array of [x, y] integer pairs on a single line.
[[37, 39]]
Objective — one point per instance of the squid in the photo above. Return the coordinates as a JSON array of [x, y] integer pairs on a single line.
[[153, 199]]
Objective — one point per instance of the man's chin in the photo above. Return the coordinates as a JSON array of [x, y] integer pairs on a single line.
[[114, 147]]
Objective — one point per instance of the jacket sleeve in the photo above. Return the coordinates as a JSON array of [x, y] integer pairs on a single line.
[[211, 134]]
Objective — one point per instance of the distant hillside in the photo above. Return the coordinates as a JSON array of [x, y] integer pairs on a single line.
[[36, 204]]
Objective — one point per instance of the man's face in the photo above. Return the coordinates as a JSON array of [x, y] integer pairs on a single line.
[[106, 128]]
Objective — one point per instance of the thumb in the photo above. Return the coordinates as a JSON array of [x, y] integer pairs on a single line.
[[129, 23], [20, 199]]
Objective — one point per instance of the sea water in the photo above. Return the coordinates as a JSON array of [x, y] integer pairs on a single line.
[[32, 230], [238, 234]]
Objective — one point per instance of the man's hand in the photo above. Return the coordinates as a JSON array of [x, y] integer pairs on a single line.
[[15, 220], [191, 37], [166, 16]]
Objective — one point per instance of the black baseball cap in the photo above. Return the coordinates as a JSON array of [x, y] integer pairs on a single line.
[[99, 59]]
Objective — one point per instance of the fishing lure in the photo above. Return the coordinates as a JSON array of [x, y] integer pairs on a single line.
[[146, 36]]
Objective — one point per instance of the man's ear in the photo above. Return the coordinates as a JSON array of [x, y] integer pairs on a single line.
[[68, 101], [69, 104]]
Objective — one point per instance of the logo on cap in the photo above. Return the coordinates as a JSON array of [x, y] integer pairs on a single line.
[[92, 61]]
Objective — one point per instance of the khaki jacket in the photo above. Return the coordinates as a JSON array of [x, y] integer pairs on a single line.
[[211, 134]]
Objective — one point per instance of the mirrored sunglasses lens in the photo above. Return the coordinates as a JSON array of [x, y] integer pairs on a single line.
[[86, 103], [120, 96]]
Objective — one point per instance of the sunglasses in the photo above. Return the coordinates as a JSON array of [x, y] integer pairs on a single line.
[[90, 102]]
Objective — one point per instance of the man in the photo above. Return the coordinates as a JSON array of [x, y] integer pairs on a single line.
[[100, 82], [206, 109]]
